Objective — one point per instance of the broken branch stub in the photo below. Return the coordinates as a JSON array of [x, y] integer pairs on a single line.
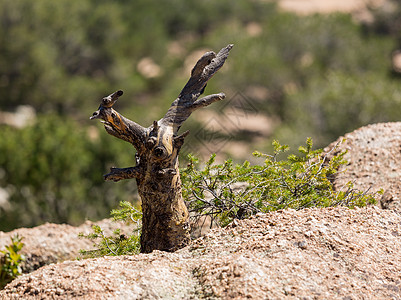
[[165, 222]]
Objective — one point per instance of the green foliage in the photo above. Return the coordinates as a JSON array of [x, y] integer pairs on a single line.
[[11, 260], [322, 76], [117, 243], [339, 103], [64, 52], [127, 213], [227, 191], [315, 82], [53, 171]]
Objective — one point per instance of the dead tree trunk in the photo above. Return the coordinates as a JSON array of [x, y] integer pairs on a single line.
[[165, 223]]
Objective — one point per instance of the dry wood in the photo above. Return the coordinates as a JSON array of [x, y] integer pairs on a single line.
[[165, 224]]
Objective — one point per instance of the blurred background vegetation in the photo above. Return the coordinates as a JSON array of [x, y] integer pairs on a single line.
[[297, 76]]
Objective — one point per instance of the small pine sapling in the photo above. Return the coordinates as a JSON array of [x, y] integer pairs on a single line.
[[117, 244]]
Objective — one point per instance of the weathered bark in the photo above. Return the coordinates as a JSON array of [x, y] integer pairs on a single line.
[[165, 223]]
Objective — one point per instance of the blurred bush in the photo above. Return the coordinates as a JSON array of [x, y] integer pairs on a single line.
[[339, 103], [317, 75], [53, 170]]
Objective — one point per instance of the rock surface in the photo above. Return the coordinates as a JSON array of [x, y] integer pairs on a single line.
[[51, 243], [374, 156], [334, 253]]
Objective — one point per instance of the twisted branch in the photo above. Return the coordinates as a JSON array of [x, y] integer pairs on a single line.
[[187, 101]]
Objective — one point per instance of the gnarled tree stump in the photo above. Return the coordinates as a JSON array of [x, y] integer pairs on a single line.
[[165, 223]]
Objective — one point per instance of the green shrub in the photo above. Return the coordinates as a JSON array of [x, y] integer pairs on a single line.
[[117, 244], [10, 261], [227, 191]]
